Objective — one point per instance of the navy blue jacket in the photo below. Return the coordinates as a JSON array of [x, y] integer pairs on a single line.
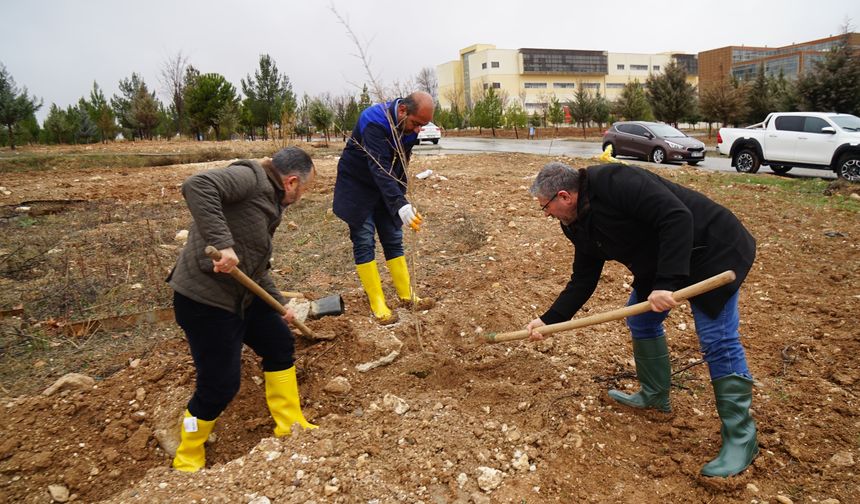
[[370, 171], [668, 236]]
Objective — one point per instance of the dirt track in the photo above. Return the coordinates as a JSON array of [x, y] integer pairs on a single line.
[[535, 416]]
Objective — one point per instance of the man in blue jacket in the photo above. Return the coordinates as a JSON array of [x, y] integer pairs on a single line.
[[370, 193], [669, 237]]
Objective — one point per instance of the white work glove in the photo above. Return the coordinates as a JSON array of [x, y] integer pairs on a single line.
[[410, 217]]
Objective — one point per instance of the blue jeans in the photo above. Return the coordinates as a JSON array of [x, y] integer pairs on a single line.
[[364, 244], [719, 339]]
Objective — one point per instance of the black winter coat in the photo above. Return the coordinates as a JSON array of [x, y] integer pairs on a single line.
[[668, 236]]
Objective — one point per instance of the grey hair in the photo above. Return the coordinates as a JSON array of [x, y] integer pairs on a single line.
[[555, 177], [293, 161]]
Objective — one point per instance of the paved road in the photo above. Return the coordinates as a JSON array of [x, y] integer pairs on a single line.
[[573, 148]]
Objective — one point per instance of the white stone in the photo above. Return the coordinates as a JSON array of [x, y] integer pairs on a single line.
[[181, 236], [752, 488], [843, 458], [395, 403], [338, 385], [260, 500], [59, 493], [70, 380], [488, 478], [520, 461], [462, 479]]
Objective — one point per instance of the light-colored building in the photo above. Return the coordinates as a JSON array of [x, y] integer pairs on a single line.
[[533, 77]]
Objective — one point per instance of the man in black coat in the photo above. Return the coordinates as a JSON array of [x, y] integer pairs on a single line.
[[669, 237]]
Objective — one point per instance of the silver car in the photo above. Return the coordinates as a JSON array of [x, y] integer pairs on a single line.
[[652, 141]]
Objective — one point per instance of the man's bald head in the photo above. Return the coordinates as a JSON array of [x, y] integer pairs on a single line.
[[415, 111]]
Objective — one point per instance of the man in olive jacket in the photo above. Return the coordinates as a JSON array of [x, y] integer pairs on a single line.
[[669, 237], [236, 210]]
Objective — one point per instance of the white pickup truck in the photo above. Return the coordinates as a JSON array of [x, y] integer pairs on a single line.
[[804, 139]]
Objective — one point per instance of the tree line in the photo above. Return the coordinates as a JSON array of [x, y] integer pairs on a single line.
[[199, 105], [832, 84], [207, 106]]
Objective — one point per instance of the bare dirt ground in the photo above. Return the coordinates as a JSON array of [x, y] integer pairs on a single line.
[[451, 418]]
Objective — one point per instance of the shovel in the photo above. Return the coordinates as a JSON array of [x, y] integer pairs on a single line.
[[694, 290], [329, 305], [252, 286]]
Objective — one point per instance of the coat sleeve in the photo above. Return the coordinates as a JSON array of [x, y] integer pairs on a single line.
[[580, 287], [642, 197], [206, 195], [268, 285], [382, 163]]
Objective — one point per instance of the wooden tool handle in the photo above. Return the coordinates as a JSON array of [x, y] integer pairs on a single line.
[[254, 287], [694, 290]]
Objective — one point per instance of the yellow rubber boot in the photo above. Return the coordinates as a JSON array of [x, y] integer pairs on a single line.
[[282, 396], [400, 278], [190, 455], [368, 273]]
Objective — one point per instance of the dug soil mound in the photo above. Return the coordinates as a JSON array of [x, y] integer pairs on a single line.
[[441, 415]]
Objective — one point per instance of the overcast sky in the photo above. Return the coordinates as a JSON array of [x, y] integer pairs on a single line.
[[57, 48]]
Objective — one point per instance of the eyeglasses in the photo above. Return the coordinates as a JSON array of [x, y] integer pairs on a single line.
[[543, 208]]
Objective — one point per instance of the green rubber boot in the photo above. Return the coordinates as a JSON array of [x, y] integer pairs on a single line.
[[734, 397], [654, 373]]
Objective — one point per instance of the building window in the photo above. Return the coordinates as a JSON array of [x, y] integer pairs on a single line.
[[563, 61], [494, 64], [614, 85], [656, 68], [639, 67], [591, 85], [563, 85], [486, 85], [619, 67], [497, 85], [535, 85], [483, 66]]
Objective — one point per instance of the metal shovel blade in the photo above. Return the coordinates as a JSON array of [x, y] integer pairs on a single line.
[[329, 305]]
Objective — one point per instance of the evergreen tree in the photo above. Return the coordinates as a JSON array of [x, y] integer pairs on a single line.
[[56, 127], [555, 112], [784, 93], [833, 84], [364, 99], [671, 97], [582, 108], [516, 117], [632, 105], [85, 129], [211, 102], [136, 108], [101, 114], [15, 105], [268, 94], [760, 102], [488, 112], [321, 117], [602, 110]]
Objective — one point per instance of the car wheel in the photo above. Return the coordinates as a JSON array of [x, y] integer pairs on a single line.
[[610, 144], [849, 168], [747, 161], [658, 156], [435, 141], [780, 170]]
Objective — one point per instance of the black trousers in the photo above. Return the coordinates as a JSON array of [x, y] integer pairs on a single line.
[[216, 337]]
